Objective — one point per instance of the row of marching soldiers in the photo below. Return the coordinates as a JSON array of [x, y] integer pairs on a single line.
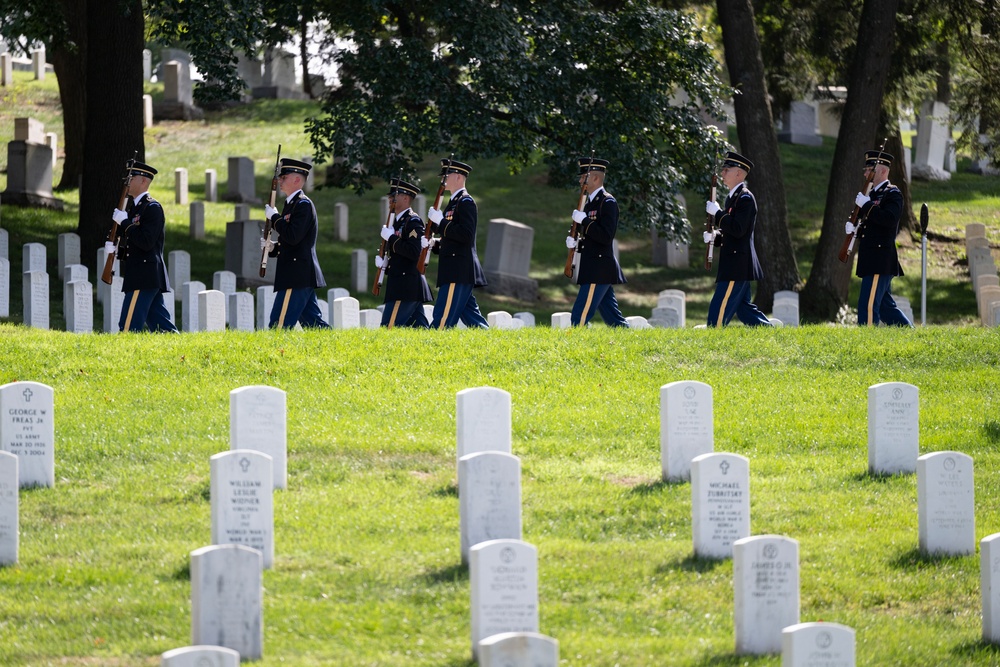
[[298, 274]]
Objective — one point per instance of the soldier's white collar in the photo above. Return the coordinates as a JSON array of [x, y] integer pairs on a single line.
[[289, 198], [593, 194], [736, 187], [886, 181], [139, 197], [457, 193], [402, 213]]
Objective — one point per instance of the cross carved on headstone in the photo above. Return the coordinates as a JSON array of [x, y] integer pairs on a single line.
[[27, 395]]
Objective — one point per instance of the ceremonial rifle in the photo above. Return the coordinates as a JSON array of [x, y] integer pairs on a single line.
[[710, 224], [848, 246], [574, 230], [377, 285], [109, 261], [429, 231], [267, 223]]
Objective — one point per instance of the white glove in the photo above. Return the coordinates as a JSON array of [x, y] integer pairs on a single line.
[[269, 211], [379, 262], [386, 233], [433, 242], [119, 216], [424, 242], [861, 199], [579, 216], [712, 207], [266, 244], [849, 227], [708, 236], [109, 247], [435, 215], [570, 242]]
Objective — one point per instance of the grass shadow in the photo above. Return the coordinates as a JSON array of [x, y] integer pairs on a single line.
[[992, 430], [459, 662], [692, 563], [878, 477], [448, 491], [917, 559], [449, 574], [183, 573], [732, 660], [652, 488], [977, 649]]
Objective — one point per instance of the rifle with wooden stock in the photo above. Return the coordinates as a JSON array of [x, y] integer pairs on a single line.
[[710, 226], [847, 247], [377, 285], [429, 230], [574, 230], [267, 223], [109, 262]]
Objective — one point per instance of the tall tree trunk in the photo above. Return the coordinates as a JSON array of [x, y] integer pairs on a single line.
[[826, 289], [69, 63], [113, 111], [759, 142], [304, 54]]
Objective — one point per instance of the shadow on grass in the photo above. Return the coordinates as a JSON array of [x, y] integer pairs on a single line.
[[449, 491], [183, 573], [459, 662], [733, 660], [691, 563], [977, 649], [917, 559], [992, 430], [878, 477], [449, 574], [652, 488]]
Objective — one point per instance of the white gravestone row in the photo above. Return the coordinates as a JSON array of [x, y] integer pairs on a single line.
[[503, 576], [369, 318], [35, 297], [68, 251], [561, 320], [766, 592], [686, 427], [257, 421], [720, 503], [189, 304], [78, 306], [817, 645], [9, 517], [489, 498], [670, 311], [242, 484], [227, 591], [241, 311], [211, 311], [27, 430], [946, 504], [893, 428], [345, 312]]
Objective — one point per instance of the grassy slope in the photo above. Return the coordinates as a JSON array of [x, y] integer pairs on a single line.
[[367, 563], [254, 131]]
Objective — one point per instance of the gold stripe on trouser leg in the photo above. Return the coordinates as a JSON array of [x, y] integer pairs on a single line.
[[447, 305], [586, 306], [131, 309], [284, 308], [871, 300], [392, 318], [725, 300]]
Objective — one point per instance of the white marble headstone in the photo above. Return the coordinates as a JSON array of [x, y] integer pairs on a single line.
[[817, 645], [200, 656], [242, 502], [526, 317], [561, 320], [227, 591], [189, 304], [9, 516], [4, 287], [35, 298], [179, 271], [4, 244], [720, 503], [503, 577], [893, 428], [359, 270], [211, 185], [369, 318], [766, 591], [482, 421], [78, 306], [340, 220], [68, 250], [686, 427], [345, 312], [989, 586], [33, 257], [27, 430], [73, 272], [946, 507], [114, 298], [181, 186], [676, 301], [513, 649], [489, 498], [499, 319], [211, 311], [265, 301], [241, 311], [258, 420]]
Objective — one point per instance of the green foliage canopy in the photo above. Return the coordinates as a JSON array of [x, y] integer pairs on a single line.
[[522, 79]]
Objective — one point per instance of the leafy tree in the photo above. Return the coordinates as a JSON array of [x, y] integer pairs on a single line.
[[521, 79]]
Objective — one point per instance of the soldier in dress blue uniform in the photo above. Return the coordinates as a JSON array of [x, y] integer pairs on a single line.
[[599, 270], [878, 263], [407, 289], [140, 257], [459, 270], [738, 263], [297, 274]]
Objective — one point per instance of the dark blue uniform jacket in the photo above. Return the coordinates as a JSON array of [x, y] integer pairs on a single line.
[[737, 255], [597, 233], [404, 282], [297, 226], [140, 249], [457, 248], [877, 236]]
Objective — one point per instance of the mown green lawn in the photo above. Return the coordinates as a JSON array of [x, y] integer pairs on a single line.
[[367, 568]]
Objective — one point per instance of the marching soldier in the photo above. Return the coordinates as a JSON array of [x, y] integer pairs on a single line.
[[878, 263], [459, 270], [140, 256], [407, 289], [298, 274], [738, 265], [599, 271]]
